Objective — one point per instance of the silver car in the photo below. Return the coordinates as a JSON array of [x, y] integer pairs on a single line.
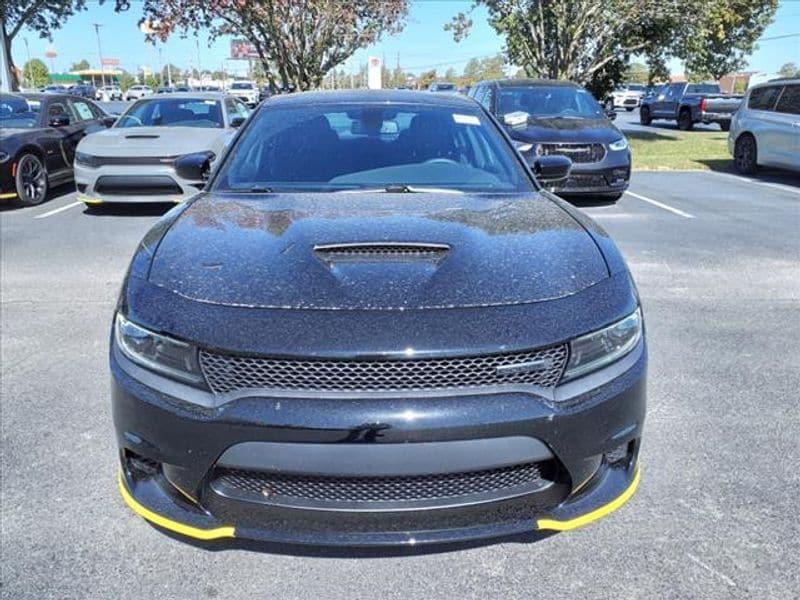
[[134, 161], [765, 131], [138, 91]]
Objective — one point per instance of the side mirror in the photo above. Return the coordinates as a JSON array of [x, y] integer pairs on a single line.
[[109, 120], [611, 114], [237, 121], [60, 120], [553, 168], [195, 166]]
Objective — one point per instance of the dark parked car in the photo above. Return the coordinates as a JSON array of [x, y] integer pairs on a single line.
[[548, 117], [690, 103], [84, 90], [37, 145], [373, 327]]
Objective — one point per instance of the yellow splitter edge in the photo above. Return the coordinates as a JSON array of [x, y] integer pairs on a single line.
[[229, 531]]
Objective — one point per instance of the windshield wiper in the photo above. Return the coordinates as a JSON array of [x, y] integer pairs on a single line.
[[402, 188], [256, 189]]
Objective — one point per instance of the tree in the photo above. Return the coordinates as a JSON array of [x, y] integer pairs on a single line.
[[81, 65], [637, 73], [592, 41], [40, 16], [35, 73], [297, 41], [170, 72], [715, 41], [126, 80], [425, 79], [789, 69]]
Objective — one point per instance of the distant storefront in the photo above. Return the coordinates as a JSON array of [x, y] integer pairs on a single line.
[[95, 76]]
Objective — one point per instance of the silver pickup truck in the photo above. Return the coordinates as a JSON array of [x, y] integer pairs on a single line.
[[690, 103]]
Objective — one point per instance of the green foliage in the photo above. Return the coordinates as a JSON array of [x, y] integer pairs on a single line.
[[35, 73], [297, 43], [789, 69], [426, 78], [637, 73], [80, 65], [592, 41], [168, 72], [126, 80], [478, 69]]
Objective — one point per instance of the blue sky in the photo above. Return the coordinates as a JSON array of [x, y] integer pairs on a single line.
[[421, 46]]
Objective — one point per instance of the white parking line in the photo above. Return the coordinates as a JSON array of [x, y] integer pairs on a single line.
[[777, 186], [671, 209], [55, 211]]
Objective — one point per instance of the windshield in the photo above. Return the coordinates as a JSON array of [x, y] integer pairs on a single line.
[[242, 86], [16, 114], [338, 147], [636, 87], [544, 101], [702, 88], [173, 112], [443, 87]]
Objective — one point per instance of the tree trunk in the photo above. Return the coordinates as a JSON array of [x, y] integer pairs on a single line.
[[10, 74]]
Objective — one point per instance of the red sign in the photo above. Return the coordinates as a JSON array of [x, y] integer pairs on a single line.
[[110, 62], [243, 49]]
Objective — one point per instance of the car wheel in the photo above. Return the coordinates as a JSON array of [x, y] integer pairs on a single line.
[[745, 154], [685, 122], [31, 180], [644, 116], [725, 126]]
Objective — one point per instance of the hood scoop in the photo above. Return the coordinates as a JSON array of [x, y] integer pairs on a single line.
[[381, 251], [142, 136]]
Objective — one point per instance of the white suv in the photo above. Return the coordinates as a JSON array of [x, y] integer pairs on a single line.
[[108, 93], [138, 91], [765, 131], [246, 91]]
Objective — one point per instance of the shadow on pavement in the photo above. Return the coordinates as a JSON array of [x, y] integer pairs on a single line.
[[311, 551], [767, 175], [52, 194]]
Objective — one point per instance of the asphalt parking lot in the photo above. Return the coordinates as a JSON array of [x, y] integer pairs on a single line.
[[717, 261]]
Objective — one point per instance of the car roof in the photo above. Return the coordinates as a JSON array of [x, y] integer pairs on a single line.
[[42, 96], [188, 95], [778, 81], [531, 83], [372, 96]]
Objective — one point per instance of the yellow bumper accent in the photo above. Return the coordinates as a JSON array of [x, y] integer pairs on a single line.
[[187, 530], [9, 195], [89, 200], [597, 513]]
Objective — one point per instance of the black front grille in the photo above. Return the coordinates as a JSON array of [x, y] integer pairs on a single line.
[[270, 487], [226, 373], [137, 185], [584, 181], [101, 161], [578, 153]]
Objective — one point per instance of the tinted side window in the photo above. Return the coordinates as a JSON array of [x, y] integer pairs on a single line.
[[764, 98], [789, 101]]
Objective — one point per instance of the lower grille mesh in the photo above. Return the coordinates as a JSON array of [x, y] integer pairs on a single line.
[[227, 373], [378, 489]]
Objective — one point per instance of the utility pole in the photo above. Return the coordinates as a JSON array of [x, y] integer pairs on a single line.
[[199, 66], [97, 27], [28, 83], [5, 63]]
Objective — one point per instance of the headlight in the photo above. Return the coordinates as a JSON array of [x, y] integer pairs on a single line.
[[157, 352], [84, 159], [600, 348], [620, 144]]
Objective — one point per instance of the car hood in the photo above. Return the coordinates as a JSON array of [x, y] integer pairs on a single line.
[[557, 130], [153, 141], [265, 251]]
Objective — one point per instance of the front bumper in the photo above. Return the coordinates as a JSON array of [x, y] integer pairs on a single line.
[[118, 183], [170, 451], [609, 177]]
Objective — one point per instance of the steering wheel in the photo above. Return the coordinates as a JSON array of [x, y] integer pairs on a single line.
[[444, 161]]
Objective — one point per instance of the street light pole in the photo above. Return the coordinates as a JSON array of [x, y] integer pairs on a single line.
[[97, 27]]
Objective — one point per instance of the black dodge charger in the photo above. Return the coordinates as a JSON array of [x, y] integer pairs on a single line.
[[373, 327], [547, 117], [38, 136]]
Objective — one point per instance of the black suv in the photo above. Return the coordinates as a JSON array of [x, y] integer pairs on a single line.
[[546, 117]]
